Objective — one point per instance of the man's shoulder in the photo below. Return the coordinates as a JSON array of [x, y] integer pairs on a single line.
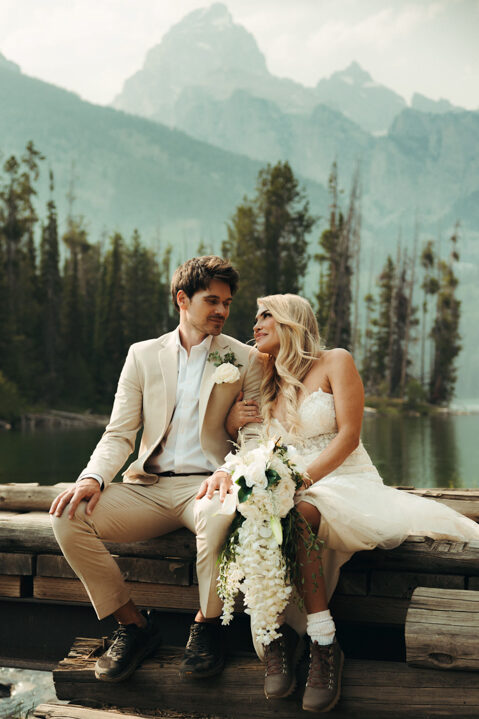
[[151, 345]]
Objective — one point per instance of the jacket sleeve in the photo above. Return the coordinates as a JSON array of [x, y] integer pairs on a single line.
[[118, 440], [252, 391]]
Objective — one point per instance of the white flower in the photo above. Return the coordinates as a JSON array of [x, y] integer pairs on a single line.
[[226, 372]]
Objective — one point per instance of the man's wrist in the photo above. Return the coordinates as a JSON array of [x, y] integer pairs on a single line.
[[96, 477]]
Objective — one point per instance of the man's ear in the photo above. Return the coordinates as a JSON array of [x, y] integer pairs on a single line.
[[182, 299]]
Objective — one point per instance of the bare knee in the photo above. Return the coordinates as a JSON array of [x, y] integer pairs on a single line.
[[310, 514]]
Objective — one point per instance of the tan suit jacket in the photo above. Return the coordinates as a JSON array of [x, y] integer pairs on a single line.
[[146, 398]]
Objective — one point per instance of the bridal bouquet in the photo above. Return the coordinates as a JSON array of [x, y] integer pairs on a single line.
[[259, 556]]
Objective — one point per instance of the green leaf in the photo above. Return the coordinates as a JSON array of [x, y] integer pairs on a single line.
[[272, 476], [244, 493]]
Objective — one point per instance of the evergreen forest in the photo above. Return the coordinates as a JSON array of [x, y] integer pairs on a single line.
[[70, 307]]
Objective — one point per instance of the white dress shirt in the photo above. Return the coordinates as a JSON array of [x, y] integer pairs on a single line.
[[180, 451]]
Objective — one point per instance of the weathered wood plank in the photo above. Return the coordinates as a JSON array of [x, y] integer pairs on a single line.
[[422, 554], [402, 584], [75, 711], [442, 629], [163, 596], [28, 497], [12, 586], [33, 497], [370, 610], [372, 690], [134, 569], [21, 564], [32, 532]]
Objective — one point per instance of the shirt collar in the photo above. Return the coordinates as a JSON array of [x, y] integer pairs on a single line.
[[203, 346]]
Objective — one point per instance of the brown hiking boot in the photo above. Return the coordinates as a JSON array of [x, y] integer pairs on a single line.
[[280, 659], [323, 687]]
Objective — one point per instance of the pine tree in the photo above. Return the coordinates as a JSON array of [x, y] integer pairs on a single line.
[[445, 330], [50, 296], [340, 245], [267, 243]]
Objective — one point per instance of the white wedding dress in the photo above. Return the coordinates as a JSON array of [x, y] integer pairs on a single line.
[[357, 510]]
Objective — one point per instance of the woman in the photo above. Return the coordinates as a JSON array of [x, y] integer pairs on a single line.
[[313, 398]]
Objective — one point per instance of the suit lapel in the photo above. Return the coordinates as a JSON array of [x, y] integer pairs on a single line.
[[207, 382], [168, 357]]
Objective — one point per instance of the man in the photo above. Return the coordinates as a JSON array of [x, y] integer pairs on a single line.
[[171, 387]]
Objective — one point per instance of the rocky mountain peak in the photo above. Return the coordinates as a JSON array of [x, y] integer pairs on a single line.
[[354, 74]]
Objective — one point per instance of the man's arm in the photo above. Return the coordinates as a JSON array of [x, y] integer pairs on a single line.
[[221, 479], [115, 446]]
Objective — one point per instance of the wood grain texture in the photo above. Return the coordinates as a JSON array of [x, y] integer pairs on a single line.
[[12, 586], [74, 711], [164, 596], [20, 564], [32, 532], [371, 690], [442, 629], [402, 584], [134, 569]]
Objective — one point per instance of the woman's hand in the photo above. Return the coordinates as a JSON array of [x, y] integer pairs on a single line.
[[242, 412], [219, 480]]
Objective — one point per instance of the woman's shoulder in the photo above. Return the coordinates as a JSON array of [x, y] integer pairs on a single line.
[[337, 354]]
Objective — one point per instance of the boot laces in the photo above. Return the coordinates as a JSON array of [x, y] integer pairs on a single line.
[[275, 657], [121, 640], [321, 668]]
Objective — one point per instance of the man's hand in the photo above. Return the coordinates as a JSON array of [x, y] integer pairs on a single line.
[[219, 480], [87, 488], [242, 412]]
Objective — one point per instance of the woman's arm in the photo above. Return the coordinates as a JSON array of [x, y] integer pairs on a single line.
[[348, 393]]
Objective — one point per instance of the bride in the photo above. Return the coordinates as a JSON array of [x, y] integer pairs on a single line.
[[313, 398]]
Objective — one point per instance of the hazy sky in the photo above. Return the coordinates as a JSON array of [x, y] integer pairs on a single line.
[[92, 46]]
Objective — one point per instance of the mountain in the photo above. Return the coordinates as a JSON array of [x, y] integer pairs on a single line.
[[354, 93], [129, 172], [439, 107], [206, 51], [8, 64]]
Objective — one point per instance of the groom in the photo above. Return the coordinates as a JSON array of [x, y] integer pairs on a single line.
[[171, 388]]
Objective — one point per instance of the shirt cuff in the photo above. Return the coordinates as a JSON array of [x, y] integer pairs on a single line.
[[93, 476]]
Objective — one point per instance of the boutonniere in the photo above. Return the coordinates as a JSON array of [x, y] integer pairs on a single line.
[[226, 367]]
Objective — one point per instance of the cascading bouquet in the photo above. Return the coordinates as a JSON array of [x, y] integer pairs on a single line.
[[259, 555]]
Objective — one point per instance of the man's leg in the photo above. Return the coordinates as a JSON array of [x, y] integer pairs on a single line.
[[124, 513], [204, 653]]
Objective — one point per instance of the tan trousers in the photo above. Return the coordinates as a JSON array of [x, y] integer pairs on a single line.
[[131, 513]]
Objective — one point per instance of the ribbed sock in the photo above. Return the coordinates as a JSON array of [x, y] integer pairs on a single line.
[[321, 627]]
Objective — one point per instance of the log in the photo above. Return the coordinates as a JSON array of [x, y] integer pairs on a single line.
[[29, 497], [32, 497], [371, 689], [442, 629], [32, 532], [74, 711], [12, 586], [134, 569], [402, 584], [160, 596], [21, 564], [422, 554]]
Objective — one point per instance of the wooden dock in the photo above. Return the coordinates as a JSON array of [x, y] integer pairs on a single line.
[[39, 591]]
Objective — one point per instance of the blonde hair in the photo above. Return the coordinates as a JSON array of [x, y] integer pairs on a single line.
[[299, 345]]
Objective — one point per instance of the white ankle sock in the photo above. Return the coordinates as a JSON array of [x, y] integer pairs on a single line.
[[321, 628]]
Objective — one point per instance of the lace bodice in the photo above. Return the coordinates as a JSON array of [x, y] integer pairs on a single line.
[[318, 418]]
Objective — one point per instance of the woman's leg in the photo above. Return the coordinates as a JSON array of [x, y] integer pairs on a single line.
[[313, 588], [326, 658]]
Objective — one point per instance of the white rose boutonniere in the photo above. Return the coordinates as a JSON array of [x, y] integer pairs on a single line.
[[226, 367]]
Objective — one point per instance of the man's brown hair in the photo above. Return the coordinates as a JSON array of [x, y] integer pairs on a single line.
[[197, 273]]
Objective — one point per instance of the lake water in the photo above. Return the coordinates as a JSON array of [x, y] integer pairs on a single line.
[[438, 451]]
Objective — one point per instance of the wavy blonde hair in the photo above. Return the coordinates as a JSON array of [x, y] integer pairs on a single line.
[[300, 344]]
